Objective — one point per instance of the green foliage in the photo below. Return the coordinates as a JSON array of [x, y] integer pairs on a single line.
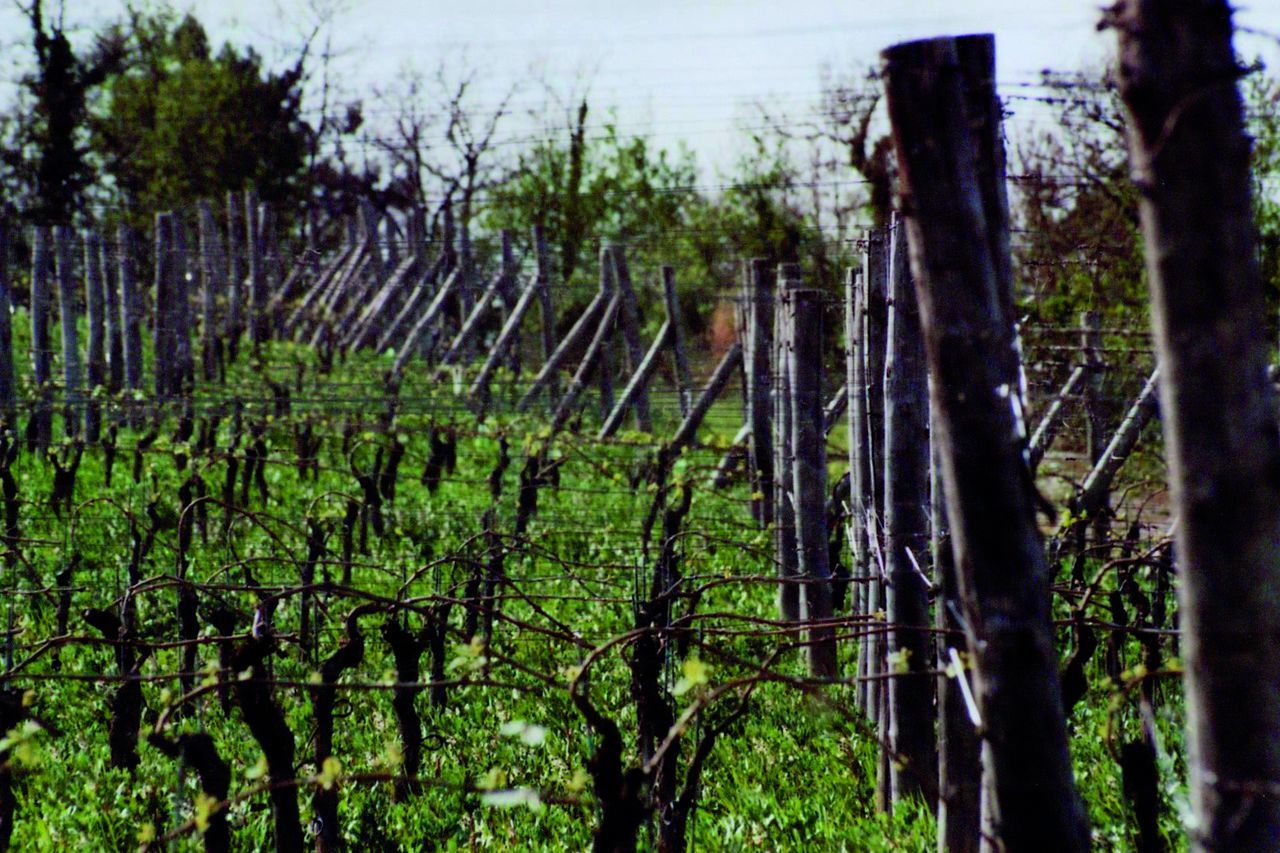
[[182, 122]]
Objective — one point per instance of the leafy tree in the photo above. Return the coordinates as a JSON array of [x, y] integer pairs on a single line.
[[180, 122], [1078, 242]]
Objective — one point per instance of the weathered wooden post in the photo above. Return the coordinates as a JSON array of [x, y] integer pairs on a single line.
[[111, 305], [906, 539], [212, 286], [630, 316], [180, 294], [784, 529], [758, 296], [8, 392], [253, 264], [543, 255], [163, 343], [875, 282], [684, 376], [989, 495], [510, 295], [809, 472], [40, 430], [269, 276], [1096, 420], [130, 319], [959, 763], [855, 384], [235, 274], [63, 246], [581, 330], [95, 361], [1190, 159]]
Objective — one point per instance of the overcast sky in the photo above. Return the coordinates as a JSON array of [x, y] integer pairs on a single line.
[[674, 69]]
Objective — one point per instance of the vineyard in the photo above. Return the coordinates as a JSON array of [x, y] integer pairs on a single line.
[[371, 533]]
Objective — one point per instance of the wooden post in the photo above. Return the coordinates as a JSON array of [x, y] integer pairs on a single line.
[[163, 345], [784, 530], [253, 263], [959, 763], [235, 274], [687, 432], [1190, 159], [1096, 491], [585, 325], [8, 391], [637, 383], [461, 344], [809, 473], [684, 376], [576, 385], [478, 394], [212, 286], [409, 347], [111, 303], [269, 268], [95, 360], [180, 292], [130, 316], [544, 304], [859, 475], [510, 295], [906, 522], [630, 316], [989, 494], [758, 296], [875, 279], [63, 245], [1051, 420], [41, 428]]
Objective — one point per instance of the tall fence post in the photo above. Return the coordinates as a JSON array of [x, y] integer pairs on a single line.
[[959, 765], [95, 360], [784, 529], [8, 398], [856, 527], [180, 294], [989, 494], [630, 316], [130, 319], [875, 281], [40, 430], [63, 247], [163, 347], [809, 474], [212, 286], [684, 376], [906, 540], [235, 274], [1190, 158], [111, 305], [543, 255], [253, 256], [758, 296]]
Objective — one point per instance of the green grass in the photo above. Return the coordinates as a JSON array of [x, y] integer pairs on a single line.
[[794, 773]]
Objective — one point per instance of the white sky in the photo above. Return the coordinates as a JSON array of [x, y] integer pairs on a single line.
[[674, 69]]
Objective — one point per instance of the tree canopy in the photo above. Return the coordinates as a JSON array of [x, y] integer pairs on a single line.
[[181, 122]]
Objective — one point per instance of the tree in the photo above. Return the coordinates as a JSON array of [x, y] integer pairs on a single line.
[[49, 159], [179, 122], [608, 186], [1079, 245]]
